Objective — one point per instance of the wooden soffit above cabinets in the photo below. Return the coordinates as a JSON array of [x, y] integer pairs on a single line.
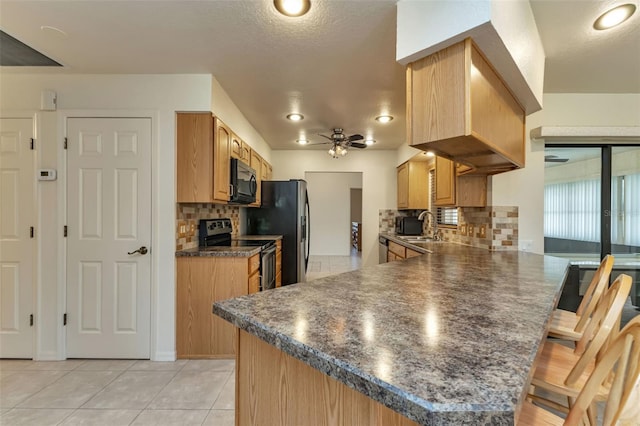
[[505, 32]]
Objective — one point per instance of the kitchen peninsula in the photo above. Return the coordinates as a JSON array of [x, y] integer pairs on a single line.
[[448, 337]]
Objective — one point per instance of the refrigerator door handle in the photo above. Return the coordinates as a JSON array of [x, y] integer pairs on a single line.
[[307, 230]]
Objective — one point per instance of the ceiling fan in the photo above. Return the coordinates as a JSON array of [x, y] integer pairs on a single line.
[[340, 142], [554, 159]]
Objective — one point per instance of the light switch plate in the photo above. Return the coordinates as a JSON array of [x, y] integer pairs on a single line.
[[463, 229], [470, 230], [483, 231]]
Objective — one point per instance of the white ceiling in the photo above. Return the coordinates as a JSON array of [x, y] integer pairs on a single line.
[[336, 65]]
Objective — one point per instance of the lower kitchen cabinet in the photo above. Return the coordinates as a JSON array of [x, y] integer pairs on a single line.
[[399, 252], [200, 282], [278, 263]]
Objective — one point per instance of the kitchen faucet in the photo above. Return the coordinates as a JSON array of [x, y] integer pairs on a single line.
[[434, 223]]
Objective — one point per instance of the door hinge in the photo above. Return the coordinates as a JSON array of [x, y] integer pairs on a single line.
[[32, 231], [31, 320], [64, 319], [66, 141], [64, 231], [33, 143]]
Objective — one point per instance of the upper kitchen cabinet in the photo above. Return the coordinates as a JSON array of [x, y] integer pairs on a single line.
[[236, 147], [413, 185], [203, 153], [256, 164], [194, 157], [454, 188], [459, 108], [221, 157]]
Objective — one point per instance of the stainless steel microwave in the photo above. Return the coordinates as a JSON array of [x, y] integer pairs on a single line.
[[243, 183]]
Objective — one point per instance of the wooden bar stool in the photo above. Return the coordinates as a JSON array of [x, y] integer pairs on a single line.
[[569, 325], [619, 371], [563, 370]]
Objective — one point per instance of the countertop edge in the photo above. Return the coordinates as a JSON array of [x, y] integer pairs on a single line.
[[408, 405]]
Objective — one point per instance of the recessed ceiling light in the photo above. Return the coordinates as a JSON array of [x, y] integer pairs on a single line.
[[384, 118], [295, 117], [302, 141], [369, 141], [614, 16], [292, 8]]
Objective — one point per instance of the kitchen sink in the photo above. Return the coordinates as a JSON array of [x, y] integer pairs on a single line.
[[414, 238]]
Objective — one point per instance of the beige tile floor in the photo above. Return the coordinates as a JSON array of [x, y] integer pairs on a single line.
[[117, 392], [322, 266]]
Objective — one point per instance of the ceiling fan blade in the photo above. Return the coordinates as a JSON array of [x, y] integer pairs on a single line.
[[325, 136], [355, 137], [358, 145]]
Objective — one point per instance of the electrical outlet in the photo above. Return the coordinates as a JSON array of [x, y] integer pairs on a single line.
[[182, 229], [526, 245], [470, 230], [463, 229], [192, 229], [483, 231]]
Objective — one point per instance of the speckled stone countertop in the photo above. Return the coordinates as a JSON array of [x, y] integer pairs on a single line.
[[445, 338], [228, 251]]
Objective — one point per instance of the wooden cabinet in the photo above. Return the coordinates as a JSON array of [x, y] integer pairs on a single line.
[[254, 273], [221, 157], [236, 147], [246, 152], [459, 108], [194, 152], [269, 172], [398, 252], [256, 164], [413, 185], [278, 263], [456, 189], [200, 282]]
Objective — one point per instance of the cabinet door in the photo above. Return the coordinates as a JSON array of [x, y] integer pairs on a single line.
[[246, 152], [445, 182], [264, 170], [236, 147], [403, 186], [418, 198], [269, 172], [221, 158], [194, 146], [256, 164]]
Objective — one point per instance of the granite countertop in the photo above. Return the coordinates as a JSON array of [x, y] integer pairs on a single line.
[[227, 251], [445, 338]]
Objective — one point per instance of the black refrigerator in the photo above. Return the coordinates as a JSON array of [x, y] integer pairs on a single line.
[[285, 211]]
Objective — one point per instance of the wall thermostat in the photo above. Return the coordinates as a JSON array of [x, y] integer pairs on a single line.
[[47, 174]]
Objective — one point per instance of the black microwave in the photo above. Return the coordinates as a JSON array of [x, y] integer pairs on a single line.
[[243, 183]]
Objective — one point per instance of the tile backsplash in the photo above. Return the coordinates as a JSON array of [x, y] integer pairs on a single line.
[[188, 216], [493, 227]]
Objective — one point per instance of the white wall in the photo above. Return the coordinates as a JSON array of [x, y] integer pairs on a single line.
[[158, 96], [378, 183], [525, 188], [330, 203], [223, 107]]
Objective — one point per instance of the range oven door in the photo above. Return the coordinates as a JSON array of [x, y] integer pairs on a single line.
[[268, 268]]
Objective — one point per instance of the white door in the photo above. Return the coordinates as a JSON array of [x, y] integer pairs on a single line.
[[17, 206], [108, 219]]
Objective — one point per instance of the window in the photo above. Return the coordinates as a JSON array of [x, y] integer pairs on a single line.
[[444, 215], [592, 201]]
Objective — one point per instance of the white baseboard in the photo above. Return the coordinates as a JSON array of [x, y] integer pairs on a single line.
[[164, 356], [48, 356]]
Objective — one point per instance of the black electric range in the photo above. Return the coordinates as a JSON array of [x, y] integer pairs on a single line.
[[217, 232]]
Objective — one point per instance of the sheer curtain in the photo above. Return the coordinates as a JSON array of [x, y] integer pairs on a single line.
[[625, 214], [572, 210]]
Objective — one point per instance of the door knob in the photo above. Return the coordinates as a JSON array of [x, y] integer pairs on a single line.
[[142, 250]]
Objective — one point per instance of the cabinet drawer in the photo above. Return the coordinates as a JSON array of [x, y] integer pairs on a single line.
[[412, 253], [397, 249], [254, 263]]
